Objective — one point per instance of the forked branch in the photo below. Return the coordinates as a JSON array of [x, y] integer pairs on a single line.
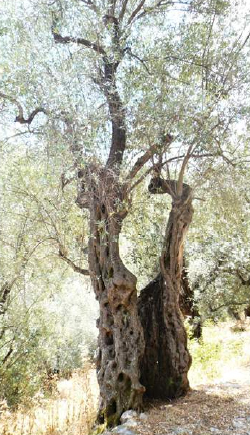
[[20, 117], [136, 11], [141, 161]]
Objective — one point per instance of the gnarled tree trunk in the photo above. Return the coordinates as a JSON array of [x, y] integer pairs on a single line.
[[166, 359], [121, 342]]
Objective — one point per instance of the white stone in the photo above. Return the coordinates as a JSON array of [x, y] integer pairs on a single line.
[[122, 430], [179, 430], [238, 423], [127, 415], [130, 423], [143, 416]]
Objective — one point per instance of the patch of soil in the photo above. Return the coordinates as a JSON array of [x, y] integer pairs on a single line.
[[218, 408]]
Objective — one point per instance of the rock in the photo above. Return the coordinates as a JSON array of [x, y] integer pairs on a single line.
[[127, 415], [179, 430], [238, 423], [130, 423], [122, 430], [143, 416], [231, 385], [214, 429]]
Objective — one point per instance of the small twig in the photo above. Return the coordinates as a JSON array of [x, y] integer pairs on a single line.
[[72, 264], [128, 50]]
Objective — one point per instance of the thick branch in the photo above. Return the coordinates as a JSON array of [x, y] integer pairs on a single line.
[[123, 10], [111, 7], [29, 120], [5, 291], [146, 156], [141, 161], [182, 171], [59, 39], [117, 114], [136, 11]]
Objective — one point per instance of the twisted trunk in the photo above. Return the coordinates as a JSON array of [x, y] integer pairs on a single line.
[[121, 342], [166, 359]]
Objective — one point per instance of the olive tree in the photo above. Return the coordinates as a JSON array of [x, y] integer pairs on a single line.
[[133, 90]]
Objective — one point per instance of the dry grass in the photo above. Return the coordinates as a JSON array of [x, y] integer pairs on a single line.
[[71, 412]]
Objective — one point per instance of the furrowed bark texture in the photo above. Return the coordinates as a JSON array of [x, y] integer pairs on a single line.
[[166, 359], [121, 342]]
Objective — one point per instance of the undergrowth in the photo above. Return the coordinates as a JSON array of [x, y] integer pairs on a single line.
[[221, 348], [72, 411]]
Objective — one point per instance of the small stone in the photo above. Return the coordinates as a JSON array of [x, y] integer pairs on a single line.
[[127, 415], [122, 430], [179, 430], [143, 416], [238, 424], [130, 423], [214, 429]]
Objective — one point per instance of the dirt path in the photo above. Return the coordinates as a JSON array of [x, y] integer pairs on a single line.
[[220, 408]]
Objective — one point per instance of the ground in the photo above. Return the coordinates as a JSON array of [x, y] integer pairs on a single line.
[[218, 408], [218, 402], [221, 406]]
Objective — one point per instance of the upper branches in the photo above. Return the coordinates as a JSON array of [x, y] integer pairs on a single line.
[[91, 5], [141, 161], [159, 5]]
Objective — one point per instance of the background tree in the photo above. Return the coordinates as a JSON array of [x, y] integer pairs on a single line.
[[218, 256], [35, 285]]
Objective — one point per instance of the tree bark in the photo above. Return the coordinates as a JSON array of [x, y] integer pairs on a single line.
[[166, 359], [121, 342]]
